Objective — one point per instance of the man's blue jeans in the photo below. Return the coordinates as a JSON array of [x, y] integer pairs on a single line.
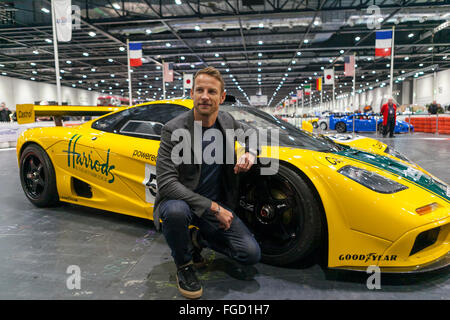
[[237, 242]]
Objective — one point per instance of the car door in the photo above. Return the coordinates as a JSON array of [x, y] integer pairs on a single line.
[[131, 145]]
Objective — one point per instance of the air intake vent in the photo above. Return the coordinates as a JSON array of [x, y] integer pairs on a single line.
[[82, 189], [425, 239]]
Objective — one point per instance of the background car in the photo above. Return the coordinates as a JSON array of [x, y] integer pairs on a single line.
[[364, 123]]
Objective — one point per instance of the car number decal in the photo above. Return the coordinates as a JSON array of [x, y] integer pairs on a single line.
[[150, 183]]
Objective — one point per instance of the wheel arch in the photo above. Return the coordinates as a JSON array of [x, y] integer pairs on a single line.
[[26, 144], [318, 198]]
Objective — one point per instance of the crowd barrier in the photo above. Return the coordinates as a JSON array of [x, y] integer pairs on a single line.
[[10, 131], [430, 124]]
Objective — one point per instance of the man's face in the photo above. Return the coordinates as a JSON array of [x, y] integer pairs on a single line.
[[390, 101], [207, 95]]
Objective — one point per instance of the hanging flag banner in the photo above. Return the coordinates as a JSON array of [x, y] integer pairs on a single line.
[[293, 99], [63, 19], [299, 94], [328, 74], [188, 79], [135, 54], [349, 68], [307, 89], [319, 84], [383, 43], [168, 72]]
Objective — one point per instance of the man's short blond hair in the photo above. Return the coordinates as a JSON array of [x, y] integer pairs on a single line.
[[213, 72]]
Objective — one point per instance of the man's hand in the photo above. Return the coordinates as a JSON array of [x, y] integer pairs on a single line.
[[244, 163], [224, 216]]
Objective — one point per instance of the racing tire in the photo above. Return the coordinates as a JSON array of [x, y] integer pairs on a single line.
[[37, 176], [323, 126], [315, 125], [341, 127], [283, 214]]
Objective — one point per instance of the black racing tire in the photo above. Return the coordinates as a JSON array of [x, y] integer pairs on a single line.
[[283, 214], [323, 126], [341, 127], [315, 124], [37, 176], [380, 127]]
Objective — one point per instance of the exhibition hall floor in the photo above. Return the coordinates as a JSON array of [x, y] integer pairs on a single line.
[[121, 257]]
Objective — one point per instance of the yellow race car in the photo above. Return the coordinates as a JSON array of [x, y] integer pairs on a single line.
[[366, 204]]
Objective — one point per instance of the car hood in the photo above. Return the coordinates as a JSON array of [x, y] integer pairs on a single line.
[[400, 169]]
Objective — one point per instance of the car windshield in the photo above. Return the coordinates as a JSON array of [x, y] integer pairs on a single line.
[[289, 135]]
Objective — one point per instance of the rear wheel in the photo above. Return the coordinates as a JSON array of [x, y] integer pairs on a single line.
[[341, 127], [323, 126], [37, 177], [283, 214], [380, 127]]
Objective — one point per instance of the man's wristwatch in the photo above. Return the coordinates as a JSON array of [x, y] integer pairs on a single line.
[[218, 210]]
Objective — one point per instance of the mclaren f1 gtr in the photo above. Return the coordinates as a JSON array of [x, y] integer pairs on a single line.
[[365, 202]]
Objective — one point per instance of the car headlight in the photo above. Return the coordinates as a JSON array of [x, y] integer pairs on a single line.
[[372, 180], [445, 188], [397, 154]]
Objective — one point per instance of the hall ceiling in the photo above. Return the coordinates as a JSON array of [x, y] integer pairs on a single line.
[[266, 47]]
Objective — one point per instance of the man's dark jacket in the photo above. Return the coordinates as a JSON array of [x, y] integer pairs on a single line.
[[177, 181]]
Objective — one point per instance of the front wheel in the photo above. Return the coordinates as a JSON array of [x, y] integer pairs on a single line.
[[283, 214], [37, 177]]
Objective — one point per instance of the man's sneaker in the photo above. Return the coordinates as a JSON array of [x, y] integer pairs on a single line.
[[199, 261], [187, 282]]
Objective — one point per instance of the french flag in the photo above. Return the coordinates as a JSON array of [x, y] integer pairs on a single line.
[[135, 49], [383, 43]]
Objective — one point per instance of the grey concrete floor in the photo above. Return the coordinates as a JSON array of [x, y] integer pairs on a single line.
[[121, 257]]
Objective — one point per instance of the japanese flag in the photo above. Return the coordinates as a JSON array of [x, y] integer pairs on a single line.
[[188, 79], [328, 74]]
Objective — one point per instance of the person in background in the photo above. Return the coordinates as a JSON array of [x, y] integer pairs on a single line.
[[389, 112], [433, 108], [4, 113]]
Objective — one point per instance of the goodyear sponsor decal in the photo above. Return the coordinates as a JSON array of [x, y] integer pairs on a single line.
[[367, 257], [87, 162]]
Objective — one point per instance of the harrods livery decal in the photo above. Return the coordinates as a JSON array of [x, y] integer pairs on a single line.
[[86, 163]]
